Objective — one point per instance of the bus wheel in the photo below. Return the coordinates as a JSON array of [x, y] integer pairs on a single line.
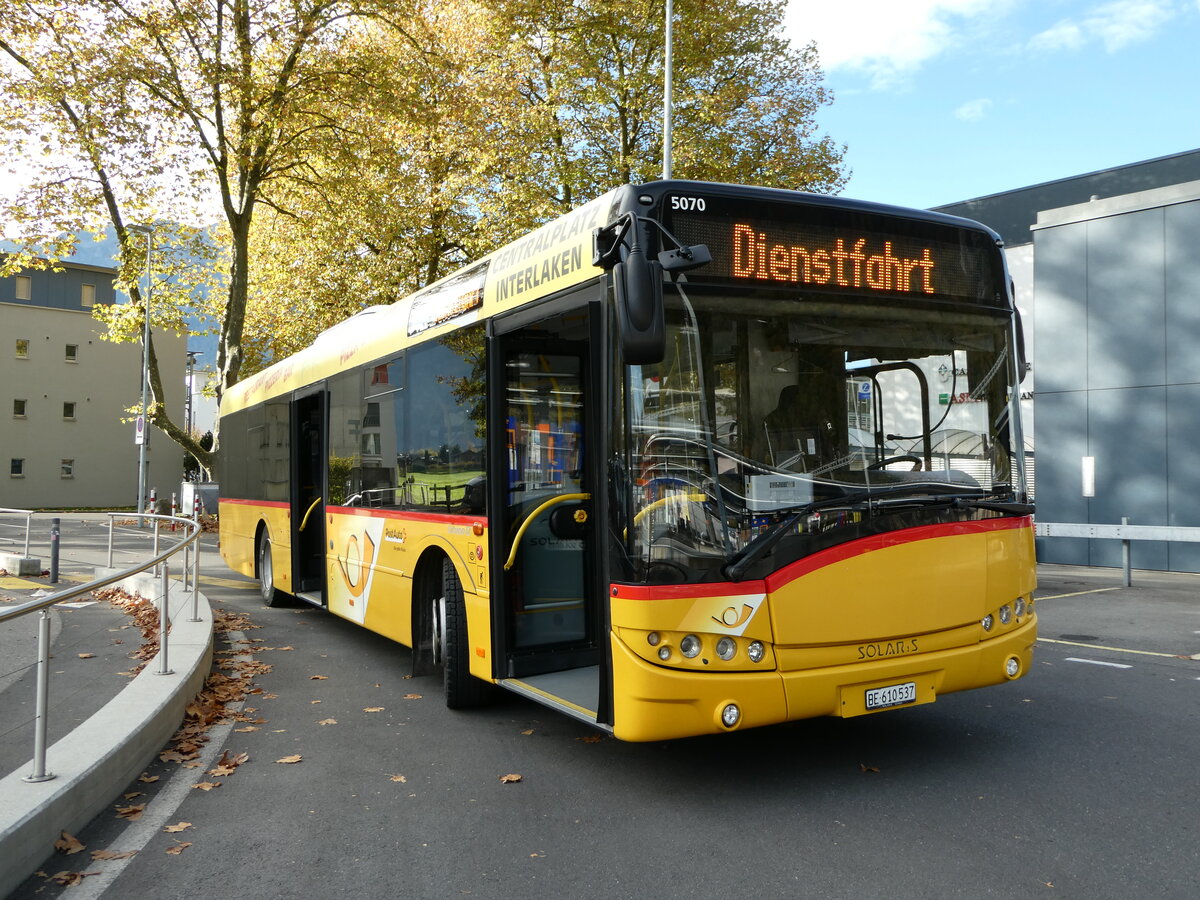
[[463, 690], [271, 595]]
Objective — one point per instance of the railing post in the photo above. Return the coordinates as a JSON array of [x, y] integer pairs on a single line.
[[111, 520], [157, 522], [28, 521], [55, 533], [1125, 556], [39, 772], [164, 621]]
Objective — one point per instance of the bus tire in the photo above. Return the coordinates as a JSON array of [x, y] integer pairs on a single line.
[[463, 690], [271, 595]]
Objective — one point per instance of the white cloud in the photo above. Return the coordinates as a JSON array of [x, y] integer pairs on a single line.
[[1115, 25], [1065, 35], [888, 39], [973, 110]]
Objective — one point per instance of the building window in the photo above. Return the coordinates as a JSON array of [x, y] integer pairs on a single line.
[[69, 410], [19, 409], [16, 468], [87, 296], [68, 468], [24, 287], [72, 353], [22, 348]]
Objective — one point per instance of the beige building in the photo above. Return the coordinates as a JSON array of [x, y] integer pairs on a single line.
[[64, 392]]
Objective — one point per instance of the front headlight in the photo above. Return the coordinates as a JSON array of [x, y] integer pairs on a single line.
[[726, 648]]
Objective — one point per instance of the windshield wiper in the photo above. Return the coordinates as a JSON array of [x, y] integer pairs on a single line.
[[1016, 509], [736, 568]]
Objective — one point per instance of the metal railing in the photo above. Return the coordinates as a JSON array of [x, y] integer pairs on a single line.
[[1123, 533], [18, 512], [158, 562]]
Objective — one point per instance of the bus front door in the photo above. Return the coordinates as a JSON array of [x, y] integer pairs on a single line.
[[546, 617], [308, 497]]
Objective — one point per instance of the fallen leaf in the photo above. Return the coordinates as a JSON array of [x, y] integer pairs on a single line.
[[327, 722], [109, 854], [247, 728], [864, 767], [133, 794], [318, 677], [70, 879], [527, 731], [68, 844], [206, 785], [131, 813], [148, 779], [285, 648], [589, 739], [228, 763], [399, 778], [179, 847], [412, 696], [87, 655], [175, 829], [290, 759], [373, 709], [509, 779]]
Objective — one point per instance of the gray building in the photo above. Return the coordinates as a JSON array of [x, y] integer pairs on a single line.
[[1108, 273], [64, 391]]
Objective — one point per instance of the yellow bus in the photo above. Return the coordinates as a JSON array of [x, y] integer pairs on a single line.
[[690, 459]]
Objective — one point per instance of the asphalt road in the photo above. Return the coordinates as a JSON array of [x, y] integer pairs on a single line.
[[1081, 780]]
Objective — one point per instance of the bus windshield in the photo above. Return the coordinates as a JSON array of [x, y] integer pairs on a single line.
[[776, 427]]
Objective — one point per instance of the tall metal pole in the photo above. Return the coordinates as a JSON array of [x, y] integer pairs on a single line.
[[148, 231], [667, 88]]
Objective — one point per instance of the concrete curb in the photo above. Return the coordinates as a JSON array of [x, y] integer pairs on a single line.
[[104, 754]]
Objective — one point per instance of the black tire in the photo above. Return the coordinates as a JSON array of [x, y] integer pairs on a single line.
[[271, 595], [463, 690]]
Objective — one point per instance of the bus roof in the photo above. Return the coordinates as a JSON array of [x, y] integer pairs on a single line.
[[551, 258]]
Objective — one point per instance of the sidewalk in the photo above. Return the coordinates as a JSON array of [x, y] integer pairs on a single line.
[[103, 727]]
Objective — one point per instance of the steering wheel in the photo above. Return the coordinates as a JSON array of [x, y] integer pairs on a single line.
[[906, 457]]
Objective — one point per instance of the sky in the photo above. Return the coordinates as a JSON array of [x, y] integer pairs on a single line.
[[940, 101]]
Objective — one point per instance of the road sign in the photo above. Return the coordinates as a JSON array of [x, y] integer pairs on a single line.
[[139, 431]]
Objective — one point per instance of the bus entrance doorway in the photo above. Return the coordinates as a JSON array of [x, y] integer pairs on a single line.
[[547, 620], [308, 497]]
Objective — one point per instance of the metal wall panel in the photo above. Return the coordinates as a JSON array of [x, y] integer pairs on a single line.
[[1125, 301]]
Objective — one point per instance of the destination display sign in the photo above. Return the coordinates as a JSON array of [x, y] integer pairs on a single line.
[[836, 250]]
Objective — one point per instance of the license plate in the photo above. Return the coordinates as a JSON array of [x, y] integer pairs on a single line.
[[892, 695]]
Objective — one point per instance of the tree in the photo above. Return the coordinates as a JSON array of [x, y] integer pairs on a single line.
[[155, 109], [471, 123], [590, 73]]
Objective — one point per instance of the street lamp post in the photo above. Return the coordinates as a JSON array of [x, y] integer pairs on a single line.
[[191, 388], [148, 231]]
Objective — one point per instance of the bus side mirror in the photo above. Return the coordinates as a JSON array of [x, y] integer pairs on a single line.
[[637, 283], [1022, 361]]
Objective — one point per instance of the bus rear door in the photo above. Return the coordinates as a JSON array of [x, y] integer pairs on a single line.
[[309, 442]]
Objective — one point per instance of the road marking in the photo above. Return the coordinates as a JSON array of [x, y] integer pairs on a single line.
[[229, 583], [13, 583], [1075, 594], [1043, 640], [1097, 662]]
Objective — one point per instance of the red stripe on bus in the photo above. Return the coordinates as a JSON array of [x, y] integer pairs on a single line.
[[274, 504], [820, 560], [441, 518]]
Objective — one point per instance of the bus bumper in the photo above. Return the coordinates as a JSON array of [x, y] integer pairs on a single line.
[[653, 702]]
